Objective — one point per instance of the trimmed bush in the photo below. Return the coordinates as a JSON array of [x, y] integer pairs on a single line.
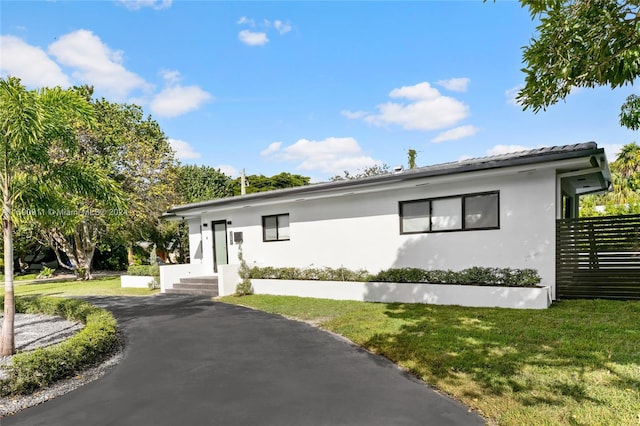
[[470, 276], [144, 270], [319, 274], [36, 369]]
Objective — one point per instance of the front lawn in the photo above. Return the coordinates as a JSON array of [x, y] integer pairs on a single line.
[[576, 363], [109, 286]]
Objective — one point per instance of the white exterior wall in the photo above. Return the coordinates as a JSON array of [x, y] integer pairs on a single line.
[[363, 230], [195, 241]]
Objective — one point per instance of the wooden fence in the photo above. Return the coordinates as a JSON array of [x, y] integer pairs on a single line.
[[598, 258]]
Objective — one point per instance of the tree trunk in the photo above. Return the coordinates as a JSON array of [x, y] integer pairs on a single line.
[[7, 344], [130, 255]]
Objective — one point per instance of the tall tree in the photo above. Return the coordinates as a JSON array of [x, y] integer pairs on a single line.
[[202, 183], [582, 44], [37, 138], [136, 154], [625, 197], [260, 183]]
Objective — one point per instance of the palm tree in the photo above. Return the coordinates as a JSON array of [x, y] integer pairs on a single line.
[[628, 161], [37, 130]]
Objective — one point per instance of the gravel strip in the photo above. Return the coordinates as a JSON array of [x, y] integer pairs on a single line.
[[33, 331]]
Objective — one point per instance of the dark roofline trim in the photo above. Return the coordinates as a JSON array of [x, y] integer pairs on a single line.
[[542, 155]]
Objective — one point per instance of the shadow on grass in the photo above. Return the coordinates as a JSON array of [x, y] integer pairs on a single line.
[[537, 357]]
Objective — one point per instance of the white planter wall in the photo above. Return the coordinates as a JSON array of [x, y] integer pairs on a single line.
[[437, 294], [136, 281]]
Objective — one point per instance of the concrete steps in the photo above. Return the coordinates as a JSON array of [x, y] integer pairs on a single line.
[[203, 286]]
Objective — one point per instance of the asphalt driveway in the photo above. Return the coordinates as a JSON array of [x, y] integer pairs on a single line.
[[191, 361]]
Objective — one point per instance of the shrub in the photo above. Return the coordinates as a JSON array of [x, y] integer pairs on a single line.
[[46, 272], [470, 276], [33, 370], [144, 270], [401, 275], [319, 274], [244, 287]]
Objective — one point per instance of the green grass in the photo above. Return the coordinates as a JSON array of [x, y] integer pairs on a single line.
[[99, 287], [24, 277], [576, 363]]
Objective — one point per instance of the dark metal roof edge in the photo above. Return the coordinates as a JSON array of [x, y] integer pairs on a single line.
[[541, 155]]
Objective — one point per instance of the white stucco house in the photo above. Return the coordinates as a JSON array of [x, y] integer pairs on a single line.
[[497, 211]]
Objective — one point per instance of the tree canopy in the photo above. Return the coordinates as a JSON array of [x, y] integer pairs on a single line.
[[260, 183], [135, 155], [582, 44], [374, 170], [202, 183], [625, 197]]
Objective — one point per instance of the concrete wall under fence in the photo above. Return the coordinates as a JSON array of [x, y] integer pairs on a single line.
[[437, 294]]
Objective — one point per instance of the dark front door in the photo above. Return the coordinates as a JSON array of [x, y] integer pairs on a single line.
[[220, 255]]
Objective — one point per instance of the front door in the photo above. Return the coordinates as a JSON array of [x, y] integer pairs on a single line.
[[220, 255]]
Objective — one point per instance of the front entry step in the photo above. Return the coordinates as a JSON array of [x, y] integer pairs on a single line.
[[203, 286]]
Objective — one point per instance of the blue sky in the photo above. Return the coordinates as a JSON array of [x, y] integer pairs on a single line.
[[313, 88]]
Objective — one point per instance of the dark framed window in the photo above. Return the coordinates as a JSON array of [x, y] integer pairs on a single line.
[[457, 213], [275, 227]]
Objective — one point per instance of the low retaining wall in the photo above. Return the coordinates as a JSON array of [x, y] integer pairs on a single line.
[[437, 294], [137, 281]]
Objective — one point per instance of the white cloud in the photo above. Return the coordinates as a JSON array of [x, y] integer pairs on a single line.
[[251, 38], [259, 38], [183, 150], [228, 170], [427, 109], [139, 4], [178, 100], [456, 133], [281, 27], [420, 91], [245, 20], [331, 155], [512, 94], [506, 149], [171, 77], [353, 114], [96, 64], [29, 63], [175, 99], [455, 84], [272, 148]]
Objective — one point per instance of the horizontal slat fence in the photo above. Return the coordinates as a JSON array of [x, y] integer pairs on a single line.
[[598, 258]]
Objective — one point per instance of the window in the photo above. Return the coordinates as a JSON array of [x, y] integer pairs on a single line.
[[275, 228], [481, 211], [458, 213], [415, 216]]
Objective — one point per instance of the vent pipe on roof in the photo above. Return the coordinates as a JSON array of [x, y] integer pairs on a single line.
[[398, 169]]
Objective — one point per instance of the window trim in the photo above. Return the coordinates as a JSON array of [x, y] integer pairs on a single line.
[[264, 229], [463, 226]]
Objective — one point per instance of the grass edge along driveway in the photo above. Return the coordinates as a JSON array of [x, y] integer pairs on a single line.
[[576, 363]]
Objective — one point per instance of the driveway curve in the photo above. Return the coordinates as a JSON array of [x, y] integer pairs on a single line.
[[191, 361]]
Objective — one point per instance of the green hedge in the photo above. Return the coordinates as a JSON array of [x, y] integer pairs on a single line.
[[39, 368], [471, 276], [146, 270], [321, 274]]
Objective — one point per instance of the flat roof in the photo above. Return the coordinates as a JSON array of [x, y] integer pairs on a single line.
[[534, 156]]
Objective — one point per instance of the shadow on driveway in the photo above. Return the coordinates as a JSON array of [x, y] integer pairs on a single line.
[[191, 361]]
